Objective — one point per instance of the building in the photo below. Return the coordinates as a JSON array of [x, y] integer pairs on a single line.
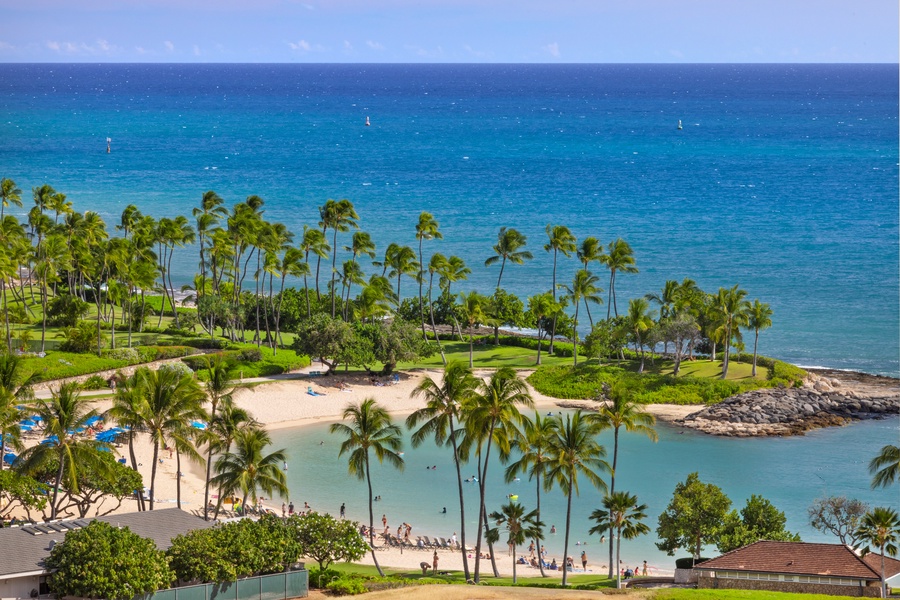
[[23, 549], [798, 567]]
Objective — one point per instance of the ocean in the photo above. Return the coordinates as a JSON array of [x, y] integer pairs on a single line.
[[784, 178]]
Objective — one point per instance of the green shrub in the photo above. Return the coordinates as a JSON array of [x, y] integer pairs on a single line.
[[130, 355], [346, 587], [250, 355], [65, 311], [318, 578], [94, 382], [206, 343], [82, 338]]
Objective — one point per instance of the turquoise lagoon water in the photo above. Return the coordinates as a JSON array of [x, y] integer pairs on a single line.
[[784, 179], [791, 472]]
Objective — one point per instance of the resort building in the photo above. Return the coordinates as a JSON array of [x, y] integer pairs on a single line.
[[25, 548], [798, 567]]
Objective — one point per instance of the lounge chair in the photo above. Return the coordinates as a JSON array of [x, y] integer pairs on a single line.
[[445, 543], [427, 541]]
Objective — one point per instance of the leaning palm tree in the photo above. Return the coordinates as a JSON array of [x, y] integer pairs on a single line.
[[880, 527], [489, 416], [64, 414], [426, 229], [532, 441], [573, 451], [509, 248], [224, 429], [622, 411], [218, 387], [370, 428], [621, 517], [249, 469], [15, 391], [519, 527], [619, 259], [127, 411], [759, 316], [441, 418], [885, 468], [560, 239]]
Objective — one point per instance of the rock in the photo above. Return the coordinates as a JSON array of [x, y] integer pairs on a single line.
[[822, 386]]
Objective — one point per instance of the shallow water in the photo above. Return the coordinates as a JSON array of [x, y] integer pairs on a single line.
[[791, 472]]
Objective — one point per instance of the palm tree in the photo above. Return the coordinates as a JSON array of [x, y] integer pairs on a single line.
[[436, 265], [127, 411], [622, 411], [639, 320], [15, 390], [885, 467], [618, 259], [402, 261], [223, 430], [440, 418], [63, 415], [171, 401], [208, 216], [454, 270], [489, 416], [520, 526], [370, 428], [540, 306], [532, 441], [560, 239], [574, 450], [249, 469], [621, 517], [583, 288], [9, 194], [881, 528], [313, 241], [218, 387], [426, 229], [589, 250], [734, 309], [339, 215], [508, 248], [759, 316], [472, 309]]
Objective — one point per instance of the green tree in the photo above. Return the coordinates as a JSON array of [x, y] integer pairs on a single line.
[[639, 322], [315, 242], [509, 248], [441, 418], [693, 517], [472, 308], [504, 310], [218, 387], [574, 450], [248, 469], [21, 492], [325, 338], [327, 540], [621, 517], [733, 308], [519, 526], [759, 317], [583, 288], [426, 229], [532, 440], [15, 391], [103, 561], [560, 239], [618, 259], [63, 414], [885, 467], [393, 342], [621, 410], [369, 428], [9, 194], [880, 527], [758, 520], [540, 306], [839, 516]]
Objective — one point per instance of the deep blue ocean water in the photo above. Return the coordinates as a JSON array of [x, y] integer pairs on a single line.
[[784, 178]]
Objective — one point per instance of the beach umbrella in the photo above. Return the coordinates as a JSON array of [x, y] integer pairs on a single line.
[[93, 420], [24, 428], [27, 422], [50, 441], [106, 436], [9, 458], [37, 418], [198, 425]]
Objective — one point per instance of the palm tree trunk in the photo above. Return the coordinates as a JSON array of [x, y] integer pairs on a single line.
[[540, 338], [755, 343], [153, 473], [433, 328], [44, 316], [609, 302], [575, 329], [490, 544], [565, 564], [177, 478], [372, 519], [6, 317], [481, 486], [538, 519], [306, 289], [421, 303], [333, 273], [134, 466], [618, 554], [470, 348], [514, 565], [725, 352], [59, 474], [462, 502], [499, 277], [588, 309], [612, 490]]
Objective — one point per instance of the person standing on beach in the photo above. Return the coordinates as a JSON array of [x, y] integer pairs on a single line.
[[384, 521], [291, 508], [434, 562], [343, 509], [584, 560], [283, 509], [644, 570]]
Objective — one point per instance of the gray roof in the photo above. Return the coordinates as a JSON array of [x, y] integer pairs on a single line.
[[24, 548]]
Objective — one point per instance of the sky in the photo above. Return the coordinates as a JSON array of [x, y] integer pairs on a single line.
[[450, 31]]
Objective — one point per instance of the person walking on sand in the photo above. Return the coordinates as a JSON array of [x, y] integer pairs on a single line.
[[584, 560], [343, 509], [283, 509], [291, 508], [434, 563], [384, 521]]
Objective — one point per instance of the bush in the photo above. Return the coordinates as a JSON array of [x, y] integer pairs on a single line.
[[206, 343], [81, 338], [131, 355], [319, 578], [65, 311], [250, 355], [346, 587], [94, 382]]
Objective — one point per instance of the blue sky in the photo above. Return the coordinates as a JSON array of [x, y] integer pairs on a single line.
[[466, 31]]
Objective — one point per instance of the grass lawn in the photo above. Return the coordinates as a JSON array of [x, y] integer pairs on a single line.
[[486, 356]]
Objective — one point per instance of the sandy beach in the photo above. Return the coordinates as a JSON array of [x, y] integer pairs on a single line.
[[288, 403]]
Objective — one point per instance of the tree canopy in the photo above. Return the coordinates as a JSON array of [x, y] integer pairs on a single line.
[[693, 518]]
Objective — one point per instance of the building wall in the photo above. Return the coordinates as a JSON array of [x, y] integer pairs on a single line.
[[20, 587], [783, 586]]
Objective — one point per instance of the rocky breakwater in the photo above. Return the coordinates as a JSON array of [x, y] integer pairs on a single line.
[[827, 398]]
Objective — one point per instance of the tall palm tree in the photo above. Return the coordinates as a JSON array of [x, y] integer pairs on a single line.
[[222, 431], [313, 241], [639, 321], [560, 239], [622, 411], [589, 250], [15, 390], [532, 441], [402, 261], [340, 216], [880, 527], [210, 212], [618, 259], [584, 287], [219, 387], [441, 418], [574, 450], [621, 517], [885, 467], [519, 527], [436, 265], [426, 229], [9, 194], [734, 308], [454, 270], [370, 428], [249, 469], [128, 412], [509, 248], [759, 316], [171, 401], [541, 306], [472, 309], [63, 415], [489, 416]]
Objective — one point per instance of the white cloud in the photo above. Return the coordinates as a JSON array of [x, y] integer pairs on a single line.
[[553, 49], [196, 50], [348, 47], [170, 47], [53, 46], [676, 53], [104, 45], [140, 50], [374, 45], [100, 47], [301, 45]]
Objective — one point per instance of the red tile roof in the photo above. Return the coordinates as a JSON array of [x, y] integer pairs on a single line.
[[800, 558]]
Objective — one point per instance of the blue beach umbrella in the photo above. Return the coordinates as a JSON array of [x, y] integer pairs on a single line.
[[50, 441], [198, 425], [27, 422], [9, 458], [93, 420], [24, 428]]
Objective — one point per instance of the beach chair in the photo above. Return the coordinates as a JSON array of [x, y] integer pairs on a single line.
[[445, 543], [428, 543]]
